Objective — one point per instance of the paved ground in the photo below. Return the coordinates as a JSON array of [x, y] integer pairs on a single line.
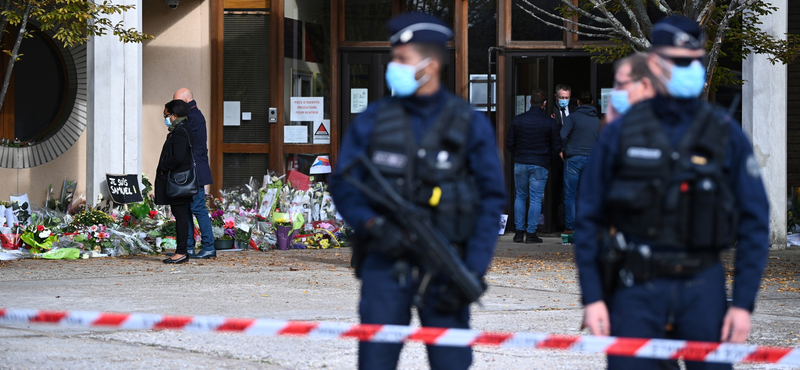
[[532, 288]]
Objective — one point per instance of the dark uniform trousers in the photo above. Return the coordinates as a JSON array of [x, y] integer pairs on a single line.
[[693, 305], [384, 301]]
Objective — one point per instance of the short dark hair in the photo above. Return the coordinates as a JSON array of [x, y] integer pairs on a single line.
[[564, 87], [586, 97], [639, 68], [429, 50], [538, 97], [179, 108]]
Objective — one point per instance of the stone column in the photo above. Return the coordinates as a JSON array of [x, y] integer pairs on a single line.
[[764, 99], [114, 129]]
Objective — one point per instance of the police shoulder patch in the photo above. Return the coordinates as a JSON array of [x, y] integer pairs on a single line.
[[753, 168]]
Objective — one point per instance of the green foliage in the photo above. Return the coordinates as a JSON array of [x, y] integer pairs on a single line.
[[169, 229], [606, 54], [74, 22]]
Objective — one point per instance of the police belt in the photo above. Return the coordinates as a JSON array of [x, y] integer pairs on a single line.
[[642, 265]]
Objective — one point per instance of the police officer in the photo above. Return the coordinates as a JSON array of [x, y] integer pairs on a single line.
[[420, 138], [677, 180]]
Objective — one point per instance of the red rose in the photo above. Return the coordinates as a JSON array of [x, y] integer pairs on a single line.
[[153, 214], [39, 228], [126, 218]]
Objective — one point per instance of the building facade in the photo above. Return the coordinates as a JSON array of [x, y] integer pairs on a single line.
[[245, 58]]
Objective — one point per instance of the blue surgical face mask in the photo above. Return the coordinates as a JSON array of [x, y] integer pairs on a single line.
[[619, 100], [563, 103], [686, 82], [402, 78], [167, 122]]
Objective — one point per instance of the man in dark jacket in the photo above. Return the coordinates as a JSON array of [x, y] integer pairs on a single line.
[[197, 124], [532, 139], [578, 136]]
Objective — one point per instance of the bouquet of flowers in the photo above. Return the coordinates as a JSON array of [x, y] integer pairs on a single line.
[[223, 227], [38, 237], [94, 238]]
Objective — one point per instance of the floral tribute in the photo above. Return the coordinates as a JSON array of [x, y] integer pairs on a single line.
[[251, 214]]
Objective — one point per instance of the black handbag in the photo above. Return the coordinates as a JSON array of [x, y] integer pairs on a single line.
[[183, 183]]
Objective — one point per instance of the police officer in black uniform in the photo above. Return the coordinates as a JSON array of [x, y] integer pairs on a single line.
[[668, 186], [421, 138]]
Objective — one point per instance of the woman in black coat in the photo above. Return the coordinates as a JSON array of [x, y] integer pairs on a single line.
[[176, 155]]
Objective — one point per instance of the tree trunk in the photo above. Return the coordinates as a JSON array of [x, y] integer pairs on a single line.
[[14, 55]]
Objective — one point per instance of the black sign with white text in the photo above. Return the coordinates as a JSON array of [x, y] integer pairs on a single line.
[[124, 188]]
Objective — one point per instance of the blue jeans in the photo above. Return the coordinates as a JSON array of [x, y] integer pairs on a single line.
[[530, 180], [385, 301], [198, 208], [572, 173], [695, 307]]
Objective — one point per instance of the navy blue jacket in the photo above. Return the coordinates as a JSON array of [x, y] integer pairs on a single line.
[[745, 182], [533, 137], [484, 164], [580, 131], [197, 123]]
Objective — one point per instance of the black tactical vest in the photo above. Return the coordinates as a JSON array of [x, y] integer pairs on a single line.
[[673, 197], [434, 175]]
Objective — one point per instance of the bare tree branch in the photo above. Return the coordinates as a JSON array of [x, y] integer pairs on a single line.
[[571, 6], [719, 37], [638, 42], [551, 24], [663, 7], [700, 17], [14, 53], [644, 18], [564, 19], [633, 18]]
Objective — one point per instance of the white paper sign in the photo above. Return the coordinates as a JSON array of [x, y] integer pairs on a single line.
[[322, 132], [295, 134], [520, 106], [231, 112], [246, 116], [306, 109], [527, 103], [605, 99], [503, 223], [358, 100]]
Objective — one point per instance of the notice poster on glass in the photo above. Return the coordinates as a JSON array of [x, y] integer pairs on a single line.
[[358, 100], [231, 113], [322, 132], [306, 109], [605, 99], [295, 134], [520, 106]]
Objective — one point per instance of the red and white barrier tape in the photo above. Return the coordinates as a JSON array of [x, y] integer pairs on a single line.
[[629, 347]]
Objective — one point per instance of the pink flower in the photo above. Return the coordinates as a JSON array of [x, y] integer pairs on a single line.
[[93, 228]]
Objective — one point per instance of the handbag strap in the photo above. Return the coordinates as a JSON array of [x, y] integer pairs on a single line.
[[191, 148]]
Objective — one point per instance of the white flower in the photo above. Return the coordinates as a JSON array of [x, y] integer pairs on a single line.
[[45, 234]]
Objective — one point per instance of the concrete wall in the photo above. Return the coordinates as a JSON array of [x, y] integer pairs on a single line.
[[179, 56], [35, 181]]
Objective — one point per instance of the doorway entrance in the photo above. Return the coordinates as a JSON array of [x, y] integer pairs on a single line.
[[362, 79], [545, 70]]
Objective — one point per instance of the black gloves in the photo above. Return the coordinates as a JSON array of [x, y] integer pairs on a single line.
[[450, 299], [389, 239]]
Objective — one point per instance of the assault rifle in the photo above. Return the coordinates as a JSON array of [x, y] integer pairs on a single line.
[[435, 253]]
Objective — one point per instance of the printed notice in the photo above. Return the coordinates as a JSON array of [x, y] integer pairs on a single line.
[[605, 99], [322, 132], [231, 112], [295, 134], [306, 109], [358, 100]]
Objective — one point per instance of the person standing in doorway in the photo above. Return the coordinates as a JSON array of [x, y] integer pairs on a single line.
[[197, 125], [532, 139], [563, 108], [578, 136]]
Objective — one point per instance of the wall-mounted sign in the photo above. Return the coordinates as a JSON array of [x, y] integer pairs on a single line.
[[358, 100], [322, 164], [322, 132], [306, 109], [231, 113], [295, 134], [605, 99], [124, 188]]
